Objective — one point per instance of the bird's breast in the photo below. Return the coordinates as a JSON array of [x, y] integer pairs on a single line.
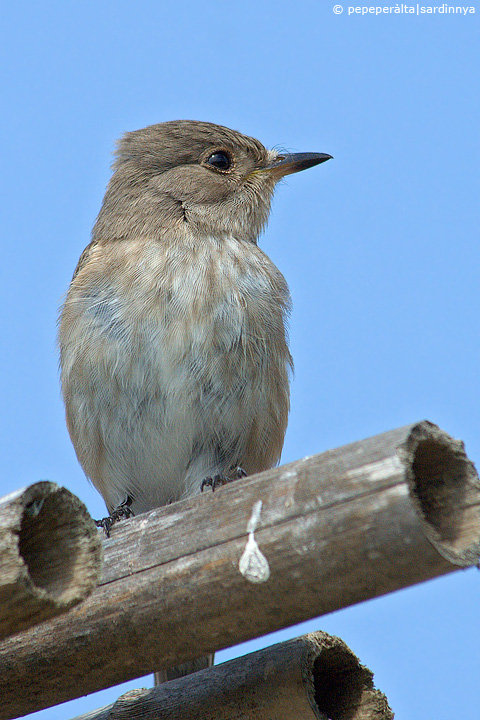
[[161, 306]]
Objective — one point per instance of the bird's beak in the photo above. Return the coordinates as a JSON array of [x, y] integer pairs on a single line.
[[288, 163]]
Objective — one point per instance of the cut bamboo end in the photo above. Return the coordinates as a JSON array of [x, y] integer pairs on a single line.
[[51, 555], [340, 687], [59, 543], [445, 490]]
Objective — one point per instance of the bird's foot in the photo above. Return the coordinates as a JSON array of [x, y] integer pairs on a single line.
[[122, 512], [219, 480], [213, 482]]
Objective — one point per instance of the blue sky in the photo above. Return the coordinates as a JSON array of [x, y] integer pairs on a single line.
[[379, 246]]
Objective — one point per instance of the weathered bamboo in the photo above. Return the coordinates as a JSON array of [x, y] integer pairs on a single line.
[[187, 579], [314, 676], [50, 555]]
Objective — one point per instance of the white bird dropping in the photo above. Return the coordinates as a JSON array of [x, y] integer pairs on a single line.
[[253, 564]]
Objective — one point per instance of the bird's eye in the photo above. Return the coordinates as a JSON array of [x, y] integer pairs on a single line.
[[220, 160]]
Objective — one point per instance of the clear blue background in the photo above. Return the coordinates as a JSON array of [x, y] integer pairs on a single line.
[[380, 246]]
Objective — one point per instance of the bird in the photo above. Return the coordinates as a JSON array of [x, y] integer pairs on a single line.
[[174, 357]]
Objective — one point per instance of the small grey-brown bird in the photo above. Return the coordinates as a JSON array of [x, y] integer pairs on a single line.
[[173, 348]]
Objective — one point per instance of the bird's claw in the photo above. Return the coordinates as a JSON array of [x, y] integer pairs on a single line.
[[213, 482], [219, 480], [122, 512]]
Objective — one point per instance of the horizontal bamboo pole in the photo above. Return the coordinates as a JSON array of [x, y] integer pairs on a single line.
[[258, 555], [311, 677], [50, 555]]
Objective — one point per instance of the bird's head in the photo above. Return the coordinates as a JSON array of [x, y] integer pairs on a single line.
[[196, 178]]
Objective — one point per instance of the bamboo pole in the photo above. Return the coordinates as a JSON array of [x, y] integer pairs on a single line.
[[310, 677], [258, 555], [50, 555]]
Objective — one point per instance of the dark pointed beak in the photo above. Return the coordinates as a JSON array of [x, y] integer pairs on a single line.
[[286, 164]]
